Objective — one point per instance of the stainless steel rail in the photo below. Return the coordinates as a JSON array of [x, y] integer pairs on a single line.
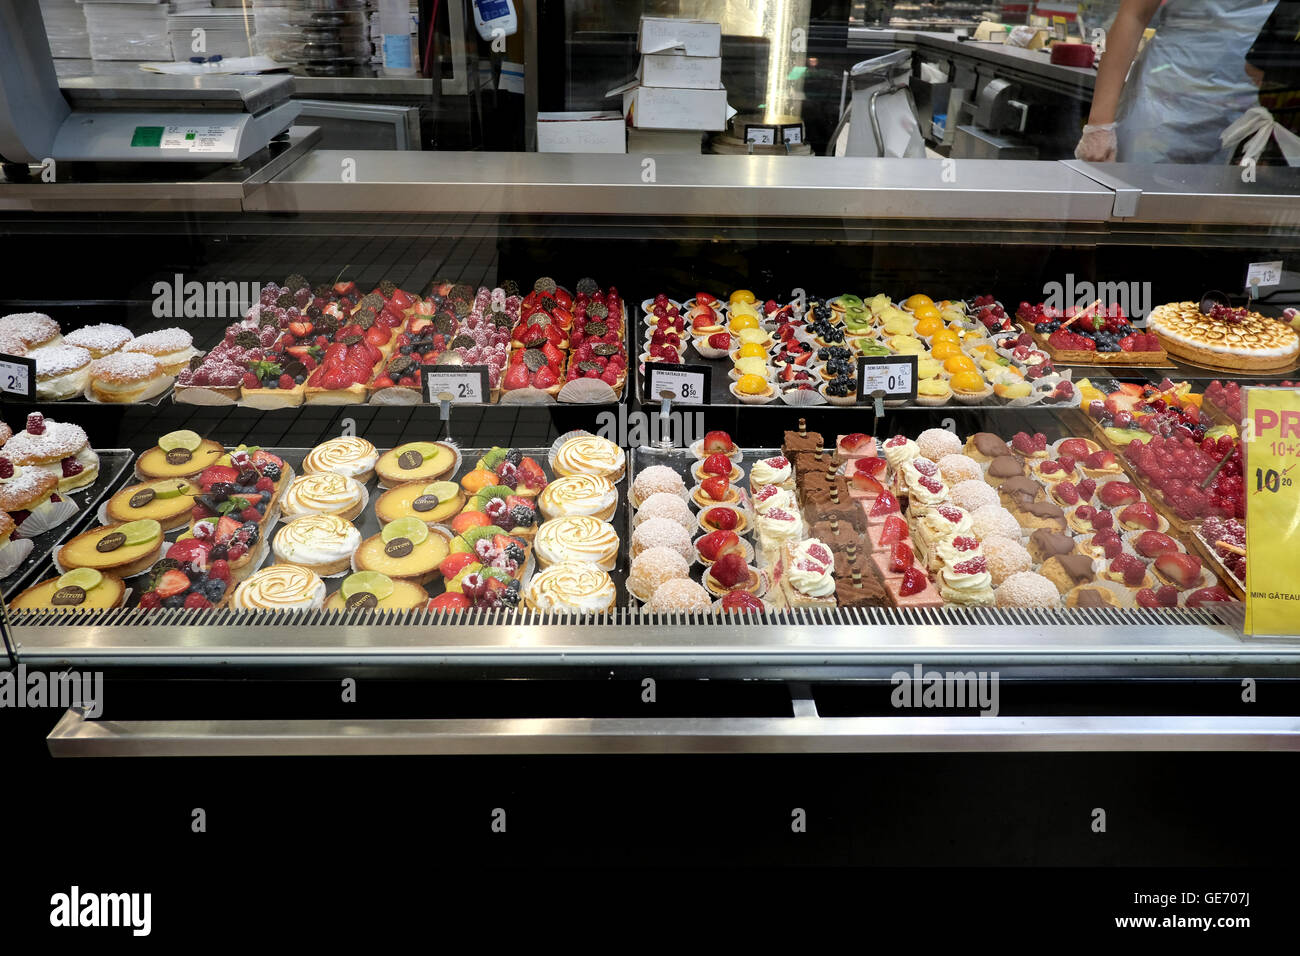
[[74, 736]]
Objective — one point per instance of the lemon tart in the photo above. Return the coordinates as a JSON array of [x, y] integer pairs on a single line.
[[370, 589], [83, 589], [123, 548], [432, 503], [178, 454], [416, 461], [407, 549], [167, 501]]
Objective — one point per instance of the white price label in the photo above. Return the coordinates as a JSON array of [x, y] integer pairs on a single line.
[[687, 384], [760, 135], [466, 384], [895, 376], [18, 375], [792, 135], [1263, 273]]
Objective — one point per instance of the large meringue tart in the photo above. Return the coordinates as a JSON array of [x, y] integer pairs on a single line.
[[415, 461], [432, 502], [83, 589], [372, 590], [167, 501], [579, 539], [124, 548], [407, 549], [178, 454]]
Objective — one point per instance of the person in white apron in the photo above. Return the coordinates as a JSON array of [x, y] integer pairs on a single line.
[[1190, 84]]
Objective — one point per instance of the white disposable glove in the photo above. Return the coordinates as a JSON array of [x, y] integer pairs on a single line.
[[1097, 144]]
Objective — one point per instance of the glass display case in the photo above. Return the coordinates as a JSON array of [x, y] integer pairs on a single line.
[[776, 427]]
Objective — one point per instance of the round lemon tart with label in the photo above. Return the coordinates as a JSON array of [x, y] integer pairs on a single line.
[[82, 589], [433, 503], [167, 501], [371, 590], [407, 549], [124, 549], [178, 454], [416, 461]]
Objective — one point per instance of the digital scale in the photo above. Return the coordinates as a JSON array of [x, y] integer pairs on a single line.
[[142, 118]]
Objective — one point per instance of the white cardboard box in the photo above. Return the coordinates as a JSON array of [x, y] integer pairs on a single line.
[[681, 71], [692, 37], [581, 132], [659, 141], [665, 107]]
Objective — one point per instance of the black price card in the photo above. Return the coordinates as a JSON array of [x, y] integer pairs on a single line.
[[18, 375], [689, 384], [466, 384], [895, 375]]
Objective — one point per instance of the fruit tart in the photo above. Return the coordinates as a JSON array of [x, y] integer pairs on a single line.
[[510, 467], [189, 577], [516, 513]]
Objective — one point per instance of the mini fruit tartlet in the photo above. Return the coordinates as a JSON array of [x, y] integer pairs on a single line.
[[716, 490], [753, 389]]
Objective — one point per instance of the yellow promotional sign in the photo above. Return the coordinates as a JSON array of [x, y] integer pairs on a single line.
[[1271, 439]]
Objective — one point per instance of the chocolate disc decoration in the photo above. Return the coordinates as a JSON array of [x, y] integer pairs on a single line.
[[409, 460], [110, 542], [69, 596], [425, 503], [362, 599], [143, 497], [179, 456], [399, 547]]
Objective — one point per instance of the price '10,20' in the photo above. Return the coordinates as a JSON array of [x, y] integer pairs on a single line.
[[1270, 480]]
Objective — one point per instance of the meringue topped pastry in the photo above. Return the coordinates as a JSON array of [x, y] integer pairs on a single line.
[[281, 587], [351, 456], [321, 543], [590, 455], [324, 493]]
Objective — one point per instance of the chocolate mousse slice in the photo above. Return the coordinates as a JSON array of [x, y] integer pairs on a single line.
[[853, 557], [801, 440], [860, 589], [843, 509], [838, 535]]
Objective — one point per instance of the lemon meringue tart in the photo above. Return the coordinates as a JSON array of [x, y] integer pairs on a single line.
[[351, 456], [579, 539], [178, 454], [572, 588], [167, 501], [590, 455], [124, 548], [281, 587], [320, 543], [371, 590], [323, 493], [82, 589], [416, 461], [579, 495], [432, 503], [407, 549]]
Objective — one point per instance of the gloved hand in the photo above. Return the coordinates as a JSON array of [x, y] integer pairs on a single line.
[[1097, 144]]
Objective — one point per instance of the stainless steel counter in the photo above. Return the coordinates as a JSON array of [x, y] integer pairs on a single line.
[[713, 186]]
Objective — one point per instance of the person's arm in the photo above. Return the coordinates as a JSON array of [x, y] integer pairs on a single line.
[[1121, 47], [1098, 141]]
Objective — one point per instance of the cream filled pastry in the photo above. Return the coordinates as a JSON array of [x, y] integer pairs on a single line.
[[578, 539], [590, 455], [768, 497], [60, 449], [922, 482], [126, 377], [173, 348], [61, 371], [770, 471], [99, 340], [579, 495], [898, 450], [967, 582], [351, 456], [31, 330], [323, 493], [281, 587], [575, 588], [321, 543]]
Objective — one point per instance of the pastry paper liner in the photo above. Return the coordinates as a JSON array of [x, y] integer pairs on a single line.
[[13, 554], [46, 517]]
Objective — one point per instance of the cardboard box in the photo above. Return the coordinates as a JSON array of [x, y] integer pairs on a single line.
[[681, 71], [692, 37], [581, 132], [656, 142], [665, 107]]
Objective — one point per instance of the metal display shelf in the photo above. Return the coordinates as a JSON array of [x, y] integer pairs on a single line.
[[792, 645]]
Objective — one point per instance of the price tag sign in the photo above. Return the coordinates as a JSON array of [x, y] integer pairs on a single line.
[[688, 383], [18, 375], [1263, 273], [761, 135], [1271, 442], [895, 375], [467, 384]]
